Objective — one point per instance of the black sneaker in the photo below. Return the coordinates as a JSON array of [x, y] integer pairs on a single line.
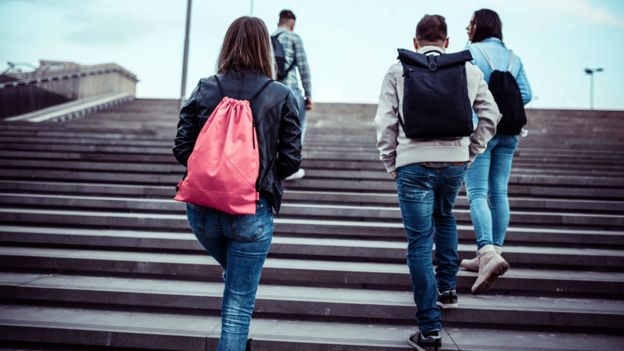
[[447, 299], [427, 342]]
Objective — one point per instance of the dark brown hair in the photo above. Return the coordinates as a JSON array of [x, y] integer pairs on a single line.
[[246, 48], [286, 15], [431, 29], [488, 25]]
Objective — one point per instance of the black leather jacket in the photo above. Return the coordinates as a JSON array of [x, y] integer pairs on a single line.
[[277, 125]]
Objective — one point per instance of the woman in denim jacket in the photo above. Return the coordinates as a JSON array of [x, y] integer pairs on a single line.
[[488, 177]]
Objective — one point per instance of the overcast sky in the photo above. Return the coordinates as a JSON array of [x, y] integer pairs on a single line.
[[350, 43]]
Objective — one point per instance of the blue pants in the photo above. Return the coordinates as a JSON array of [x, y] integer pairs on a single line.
[[487, 187], [240, 243], [426, 197], [302, 112]]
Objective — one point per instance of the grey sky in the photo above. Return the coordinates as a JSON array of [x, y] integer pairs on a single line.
[[350, 43]]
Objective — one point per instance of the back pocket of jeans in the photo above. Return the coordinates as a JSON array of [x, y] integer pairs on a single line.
[[248, 228]]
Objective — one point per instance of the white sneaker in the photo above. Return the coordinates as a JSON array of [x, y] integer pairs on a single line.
[[297, 175]]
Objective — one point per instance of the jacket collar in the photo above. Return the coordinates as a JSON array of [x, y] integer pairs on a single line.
[[429, 48], [279, 30], [493, 40]]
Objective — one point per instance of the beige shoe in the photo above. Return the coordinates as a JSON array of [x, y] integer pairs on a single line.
[[498, 249], [471, 264], [491, 266]]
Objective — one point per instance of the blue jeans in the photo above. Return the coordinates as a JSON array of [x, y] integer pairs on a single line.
[[240, 243], [487, 180], [426, 197], [302, 112]]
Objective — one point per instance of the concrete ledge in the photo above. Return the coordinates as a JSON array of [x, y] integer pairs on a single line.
[[73, 109]]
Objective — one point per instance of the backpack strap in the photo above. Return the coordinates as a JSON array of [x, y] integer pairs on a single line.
[[487, 57], [266, 84], [511, 60], [489, 61]]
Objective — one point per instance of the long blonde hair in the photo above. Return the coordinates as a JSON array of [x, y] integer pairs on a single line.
[[246, 47]]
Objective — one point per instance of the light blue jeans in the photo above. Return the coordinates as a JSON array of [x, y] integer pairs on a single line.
[[487, 187], [240, 243], [426, 197]]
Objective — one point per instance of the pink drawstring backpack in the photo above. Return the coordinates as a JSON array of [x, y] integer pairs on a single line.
[[224, 165]]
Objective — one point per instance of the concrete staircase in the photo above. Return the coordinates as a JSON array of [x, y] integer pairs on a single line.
[[95, 254]]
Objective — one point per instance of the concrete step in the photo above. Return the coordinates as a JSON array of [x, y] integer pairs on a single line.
[[297, 227], [297, 272], [302, 210], [569, 187], [337, 144], [523, 166], [304, 196], [365, 158], [309, 303], [168, 167], [308, 154], [91, 327], [301, 247]]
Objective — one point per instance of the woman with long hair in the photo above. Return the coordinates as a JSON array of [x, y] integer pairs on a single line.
[[487, 179], [241, 242]]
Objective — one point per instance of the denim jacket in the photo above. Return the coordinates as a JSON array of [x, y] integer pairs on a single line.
[[494, 50]]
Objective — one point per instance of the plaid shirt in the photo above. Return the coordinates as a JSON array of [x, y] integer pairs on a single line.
[[293, 47]]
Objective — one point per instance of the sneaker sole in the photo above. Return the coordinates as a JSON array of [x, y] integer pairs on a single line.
[[447, 306], [487, 284], [414, 345]]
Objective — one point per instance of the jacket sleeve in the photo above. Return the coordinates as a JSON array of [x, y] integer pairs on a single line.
[[387, 122], [488, 115], [523, 84], [302, 64], [188, 128], [289, 139]]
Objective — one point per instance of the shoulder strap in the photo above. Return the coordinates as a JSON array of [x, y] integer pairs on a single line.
[[266, 84], [487, 57], [220, 86], [511, 60]]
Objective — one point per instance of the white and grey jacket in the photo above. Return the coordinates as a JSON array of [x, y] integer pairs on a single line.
[[396, 150]]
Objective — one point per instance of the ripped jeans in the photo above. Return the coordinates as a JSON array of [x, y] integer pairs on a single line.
[[426, 197], [240, 243]]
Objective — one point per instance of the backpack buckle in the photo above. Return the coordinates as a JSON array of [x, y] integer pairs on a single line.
[[433, 66]]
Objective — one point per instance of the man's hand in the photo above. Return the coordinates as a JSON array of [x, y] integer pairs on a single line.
[[308, 104], [393, 174]]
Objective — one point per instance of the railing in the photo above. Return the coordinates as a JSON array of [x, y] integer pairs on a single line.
[[44, 87]]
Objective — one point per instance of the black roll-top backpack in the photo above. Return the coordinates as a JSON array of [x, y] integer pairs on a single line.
[[508, 97], [435, 96], [280, 57]]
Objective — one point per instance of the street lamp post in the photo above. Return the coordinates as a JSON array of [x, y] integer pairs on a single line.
[[590, 72], [186, 50]]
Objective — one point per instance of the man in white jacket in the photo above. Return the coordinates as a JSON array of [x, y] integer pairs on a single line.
[[429, 173]]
